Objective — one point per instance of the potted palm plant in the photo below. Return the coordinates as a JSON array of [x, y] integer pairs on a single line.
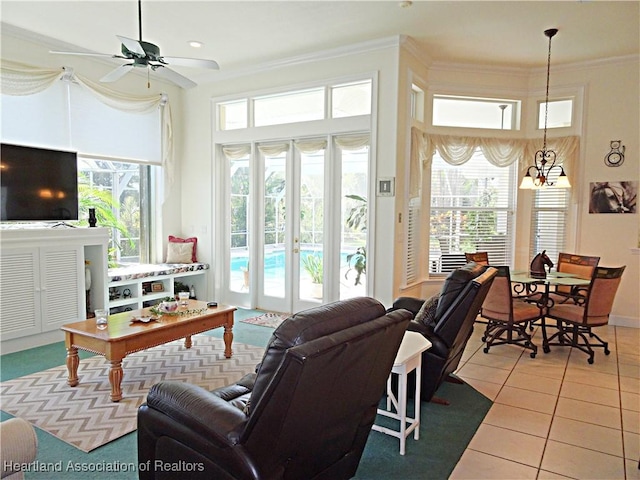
[[357, 261], [357, 221], [312, 264]]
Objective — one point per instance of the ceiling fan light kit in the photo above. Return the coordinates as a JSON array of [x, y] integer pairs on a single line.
[[143, 54]]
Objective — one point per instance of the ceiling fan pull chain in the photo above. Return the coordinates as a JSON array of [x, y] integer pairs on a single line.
[[148, 78]]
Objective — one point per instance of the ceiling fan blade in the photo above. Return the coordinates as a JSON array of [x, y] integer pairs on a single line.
[[84, 53], [173, 76], [119, 72], [132, 45], [190, 62]]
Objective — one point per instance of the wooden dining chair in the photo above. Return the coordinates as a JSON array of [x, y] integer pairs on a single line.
[[575, 321], [507, 316], [481, 258]]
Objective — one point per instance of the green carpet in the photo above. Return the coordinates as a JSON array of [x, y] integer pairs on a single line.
[[444, 433]]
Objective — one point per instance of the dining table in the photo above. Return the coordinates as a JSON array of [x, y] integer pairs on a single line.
[[525, 284]]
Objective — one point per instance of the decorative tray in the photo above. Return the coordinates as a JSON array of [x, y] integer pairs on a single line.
[[143, 318]]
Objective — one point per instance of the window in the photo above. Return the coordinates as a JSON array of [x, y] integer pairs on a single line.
[[233, 115], [351, 99], [417, 103], [294, 106], [450, 111], [291, 107], [472, 208], [559, 115], [548, 220], [119, 193]]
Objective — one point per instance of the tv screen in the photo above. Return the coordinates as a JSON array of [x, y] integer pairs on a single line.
[[37, 184]]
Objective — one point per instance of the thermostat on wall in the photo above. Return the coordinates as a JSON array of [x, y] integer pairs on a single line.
[[386, 187]]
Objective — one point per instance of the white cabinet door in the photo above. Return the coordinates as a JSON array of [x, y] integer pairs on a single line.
[[42, 289], [62, 285], [20, 302]]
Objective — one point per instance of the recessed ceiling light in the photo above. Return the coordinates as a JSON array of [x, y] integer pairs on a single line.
[[195, 43], [405, 4]]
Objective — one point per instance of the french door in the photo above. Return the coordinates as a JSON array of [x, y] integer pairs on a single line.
[[293, 238]]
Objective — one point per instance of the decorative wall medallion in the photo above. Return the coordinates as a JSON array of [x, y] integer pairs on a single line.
[[615, 157]]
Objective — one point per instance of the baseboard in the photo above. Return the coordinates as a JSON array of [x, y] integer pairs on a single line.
[[621, 321], [24, 343]]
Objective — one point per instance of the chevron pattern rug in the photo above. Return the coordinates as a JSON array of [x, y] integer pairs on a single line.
[[84, 416]]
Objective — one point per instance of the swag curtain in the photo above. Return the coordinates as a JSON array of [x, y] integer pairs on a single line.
[[457, 150], [18, 79]]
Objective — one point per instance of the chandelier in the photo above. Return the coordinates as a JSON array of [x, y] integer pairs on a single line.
[[537, 175]]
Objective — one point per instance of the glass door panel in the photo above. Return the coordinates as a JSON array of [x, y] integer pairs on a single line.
[[274, 226], [354, 211], [239, 231], [311, 228]]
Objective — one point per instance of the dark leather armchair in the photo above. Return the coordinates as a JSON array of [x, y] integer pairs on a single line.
[[460, 300], [305, 414]]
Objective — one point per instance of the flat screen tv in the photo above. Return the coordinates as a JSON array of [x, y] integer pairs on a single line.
[[37, 184]]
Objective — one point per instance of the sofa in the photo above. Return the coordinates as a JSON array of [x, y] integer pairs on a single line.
[[305, 413], [18, 447]]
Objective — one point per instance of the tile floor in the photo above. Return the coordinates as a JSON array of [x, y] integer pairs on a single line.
[[555, 416]]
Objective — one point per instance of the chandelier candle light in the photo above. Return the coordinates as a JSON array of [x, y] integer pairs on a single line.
[[537, 175]]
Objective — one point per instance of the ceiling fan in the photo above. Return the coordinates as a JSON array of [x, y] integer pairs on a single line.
[[147, 55]]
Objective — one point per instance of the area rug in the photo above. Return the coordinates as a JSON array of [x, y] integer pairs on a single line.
[[84, 417], [268, 319]]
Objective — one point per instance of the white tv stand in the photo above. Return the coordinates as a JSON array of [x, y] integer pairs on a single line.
[[42, 282]]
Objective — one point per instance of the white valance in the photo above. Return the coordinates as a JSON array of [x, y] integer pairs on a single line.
[[310, 146], [236, 152], [273, 149], [19, 79], [457, 150], [353, 142]]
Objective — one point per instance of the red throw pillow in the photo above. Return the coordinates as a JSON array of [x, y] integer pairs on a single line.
[[193, 240]]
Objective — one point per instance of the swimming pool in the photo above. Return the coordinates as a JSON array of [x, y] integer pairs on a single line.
[[274, 261]]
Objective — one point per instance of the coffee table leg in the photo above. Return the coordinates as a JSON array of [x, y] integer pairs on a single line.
[[115, 379], [187, 342], [72, 366], [228, 339]]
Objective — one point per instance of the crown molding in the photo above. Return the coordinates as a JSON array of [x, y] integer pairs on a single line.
[[322, 55], [411, 46], [525, 72]]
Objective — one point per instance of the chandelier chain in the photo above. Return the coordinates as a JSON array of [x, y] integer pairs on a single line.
[[546, 100]]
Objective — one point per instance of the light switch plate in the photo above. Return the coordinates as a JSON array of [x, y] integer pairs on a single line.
[[386, 187]]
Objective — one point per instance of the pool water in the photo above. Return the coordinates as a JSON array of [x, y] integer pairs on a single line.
[[274, 262]]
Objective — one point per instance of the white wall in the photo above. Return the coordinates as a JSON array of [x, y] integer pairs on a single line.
[[611, 113], [199, 199], [34, 53]]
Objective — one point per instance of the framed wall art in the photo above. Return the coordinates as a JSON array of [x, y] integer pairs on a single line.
[[613, 197]]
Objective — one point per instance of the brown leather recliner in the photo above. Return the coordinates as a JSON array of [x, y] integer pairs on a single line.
[[305, 414], [461, 298]]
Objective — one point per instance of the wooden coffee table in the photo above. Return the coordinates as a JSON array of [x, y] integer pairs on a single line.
[[122, 336]]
